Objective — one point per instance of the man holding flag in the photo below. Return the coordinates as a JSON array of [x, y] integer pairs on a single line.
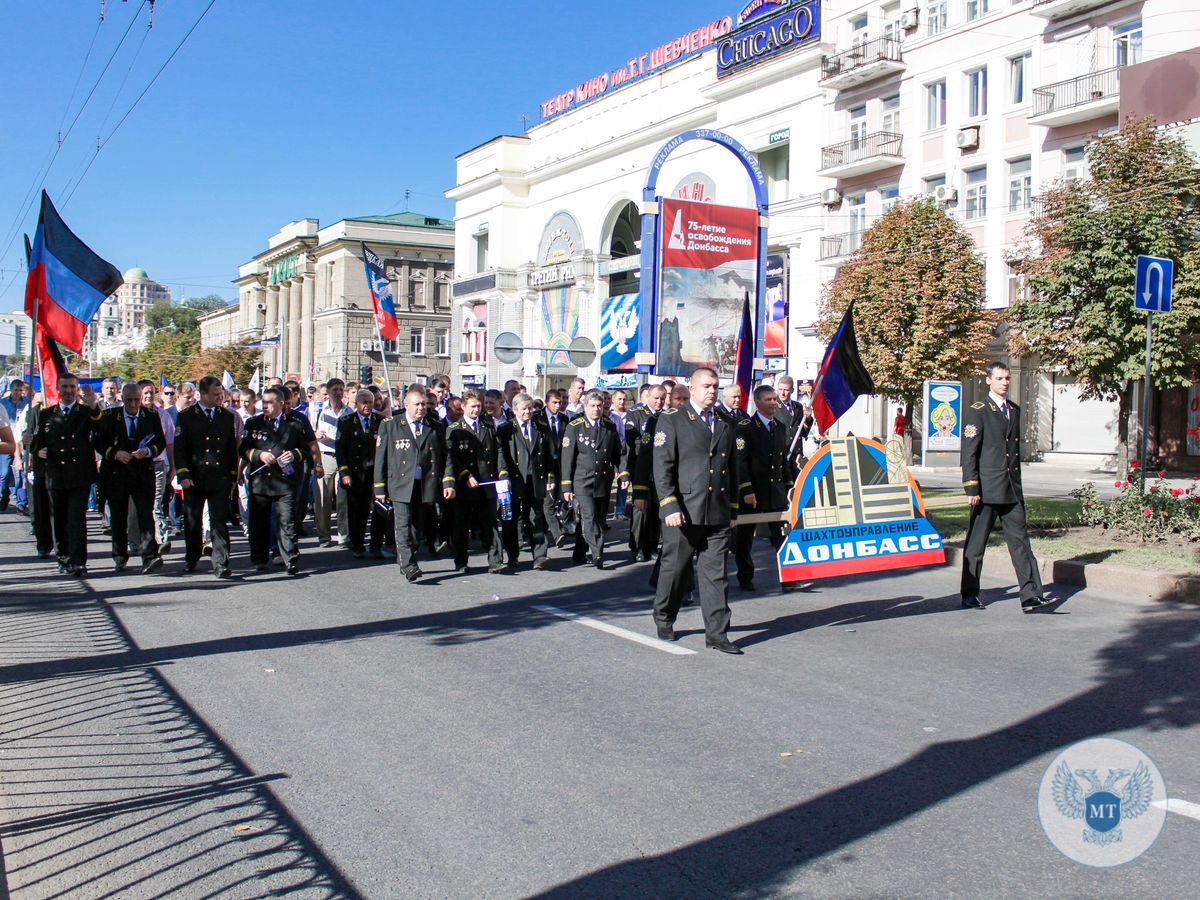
[[842, 378]]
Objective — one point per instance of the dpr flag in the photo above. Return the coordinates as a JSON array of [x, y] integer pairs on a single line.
[[381, 296], [842, 378]]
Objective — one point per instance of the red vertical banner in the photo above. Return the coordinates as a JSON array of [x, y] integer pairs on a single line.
[[709, 264]]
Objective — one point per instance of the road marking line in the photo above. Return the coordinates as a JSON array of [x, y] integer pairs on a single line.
[[1180, 807], [613, 629]]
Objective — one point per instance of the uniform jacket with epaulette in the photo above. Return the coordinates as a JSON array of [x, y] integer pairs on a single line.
[[206, 451], [68, 440], [696, 470], [590, 455], [763, 462], [528, 463], [541, 420], [354, 449], [991, 452], [111, 435], [399, 452], [472, 454], [642, 476], [294, 433]]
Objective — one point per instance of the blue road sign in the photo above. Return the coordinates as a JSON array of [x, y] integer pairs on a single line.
[[1152, 287]]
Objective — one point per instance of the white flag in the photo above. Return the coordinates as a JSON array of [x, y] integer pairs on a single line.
[[254, 381], [227, 381]]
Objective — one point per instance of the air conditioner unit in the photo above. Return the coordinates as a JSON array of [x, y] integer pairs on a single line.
[[967, 138], [366, 345], [944, 193], [831, 196], [909, 19], [261, 307]]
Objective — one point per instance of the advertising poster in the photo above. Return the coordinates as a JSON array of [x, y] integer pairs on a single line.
[[709, 262], [619, 333], [474, 333], [943, 416], [775, 337], [1193, 421]]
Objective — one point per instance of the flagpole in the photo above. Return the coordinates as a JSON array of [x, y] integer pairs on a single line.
[[36, 300], [387, 378]]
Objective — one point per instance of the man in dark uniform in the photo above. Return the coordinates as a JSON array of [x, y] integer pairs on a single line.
[[526, 452], [591, 449], [39, 497], [410, 470], [473, 459], [127, 439], [644, 528], [63, 439], [991, 466], [763, 462], [354, 449], [552, 422], [696, 475], [274, 446], [206, 463]]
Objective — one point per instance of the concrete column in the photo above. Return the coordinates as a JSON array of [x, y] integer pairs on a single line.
[[307, 299], [272, 300], [295, 317]]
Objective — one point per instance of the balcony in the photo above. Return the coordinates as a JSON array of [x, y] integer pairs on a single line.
[[836, 247], [1060, 9], [861, 155], [862, 63], [1077, 99]]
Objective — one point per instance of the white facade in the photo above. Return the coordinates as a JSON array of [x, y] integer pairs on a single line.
[[988, 100], [16, 335], [120, 324]]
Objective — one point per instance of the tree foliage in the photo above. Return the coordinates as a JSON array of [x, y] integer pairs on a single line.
[[1079, 256], [918, 290]]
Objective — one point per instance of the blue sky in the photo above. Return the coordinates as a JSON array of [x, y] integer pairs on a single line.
[[274, 111]]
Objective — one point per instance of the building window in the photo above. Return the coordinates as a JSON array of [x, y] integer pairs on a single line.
[[1020, 185], [888, 197], [1018, 77], [933, 183], [935, 104], [1127, 39], [977, 84], [443, 341], [1016, 285], [889, 119], [1074, 166], [890, 14], [976, 199], [416, 292], [441, 294], [776, 164], [858, 30], [856, 205], [392, 347], [416, 341], [481, 252], [976, 9], [328, 340], [858, 125], [935, 17]]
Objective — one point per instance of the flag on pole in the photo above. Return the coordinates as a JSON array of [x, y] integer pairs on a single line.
[[381, 296], [842, 378], [66, 279], [255, 381], [227, 381], [52, 365], [743, 374]]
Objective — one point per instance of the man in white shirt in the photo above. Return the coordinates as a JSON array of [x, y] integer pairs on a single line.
[[575, 398], [324, 420]]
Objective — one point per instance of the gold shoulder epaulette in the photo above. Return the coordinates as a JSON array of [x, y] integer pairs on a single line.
[[978, 404]]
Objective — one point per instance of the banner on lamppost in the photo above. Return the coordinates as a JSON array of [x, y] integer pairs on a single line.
[[619, 333], [709, 256]]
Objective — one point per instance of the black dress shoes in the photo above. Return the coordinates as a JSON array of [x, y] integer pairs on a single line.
[[542, 564], [119, 565], [746, 584], [498, 570], [972, 603], [153, 566], [224, 573], [1035, 603], [725, 646], [293, 568], [414, 575], [189, 567], [665, 632]]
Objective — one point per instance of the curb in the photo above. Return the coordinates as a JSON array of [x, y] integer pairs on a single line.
[[1136, 584]]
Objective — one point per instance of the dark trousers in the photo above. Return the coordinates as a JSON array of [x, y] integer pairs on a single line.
[[589, 535], [69, 522], [710, 544], [361, 508], [39, 502], [743, 546], [411, 518], [141, 495], [476, 507], [550, 514], [644, 530], [528, 518], [261, 508], [1016, 534], [218, 524]]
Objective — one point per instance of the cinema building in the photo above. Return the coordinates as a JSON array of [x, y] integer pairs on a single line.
[[846, 108]]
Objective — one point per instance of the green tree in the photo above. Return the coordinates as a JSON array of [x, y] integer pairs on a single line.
[[1078, 260], [918, 291], [179, 318], [206, 304]]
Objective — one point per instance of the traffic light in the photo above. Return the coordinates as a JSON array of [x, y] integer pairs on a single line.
[[365, 374]]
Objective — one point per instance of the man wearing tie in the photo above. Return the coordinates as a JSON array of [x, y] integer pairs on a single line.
[[127, 439], [763, 462], [552, 422], [409, 469], [591, 449], [526, 451], [206, 461], [731, 402], [473, 461], [354, 451], [644, 525]]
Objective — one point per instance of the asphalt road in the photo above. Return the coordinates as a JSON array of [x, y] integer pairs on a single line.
[[346, 733]]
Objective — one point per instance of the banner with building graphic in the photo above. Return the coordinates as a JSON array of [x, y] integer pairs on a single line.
[[856, 509], [775, 335], [709, 263], [619, 333]]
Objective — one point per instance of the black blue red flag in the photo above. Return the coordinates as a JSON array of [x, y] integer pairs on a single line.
[[67, 281], [842, 378], [381, 296], [744, 366]]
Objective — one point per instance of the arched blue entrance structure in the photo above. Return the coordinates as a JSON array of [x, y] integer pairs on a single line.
[[651, 234]]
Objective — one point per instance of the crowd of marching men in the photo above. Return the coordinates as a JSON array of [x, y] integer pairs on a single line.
[[415, 471]]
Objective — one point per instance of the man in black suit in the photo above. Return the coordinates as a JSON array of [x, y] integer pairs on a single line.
[[206, 463], [591, 449], [696, 476], [763, 462], [474, 462], [644, 524], [991, 467], [526, 452], [731, 402], [410, 470], [354, 449], [63, 438], [274, 447], [127, 439], [552, 422]]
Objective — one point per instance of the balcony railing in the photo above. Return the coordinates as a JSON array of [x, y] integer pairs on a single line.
[[859, 149], [836, 245], [883, 50], [1073, 92]]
